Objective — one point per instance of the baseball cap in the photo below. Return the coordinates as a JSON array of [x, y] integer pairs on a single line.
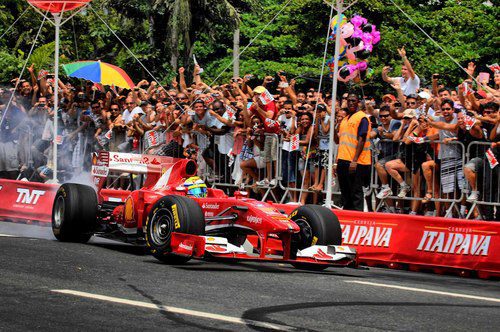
[[424, 95], [260, 89], [391, 97], [409, 113]]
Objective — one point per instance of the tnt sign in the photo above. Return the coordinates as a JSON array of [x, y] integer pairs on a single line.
[[27, 196]]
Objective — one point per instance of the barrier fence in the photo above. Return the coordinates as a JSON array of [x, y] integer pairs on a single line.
[[443, 181], [456, 181]]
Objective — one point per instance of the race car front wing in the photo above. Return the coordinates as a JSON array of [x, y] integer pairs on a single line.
[[212, 247]]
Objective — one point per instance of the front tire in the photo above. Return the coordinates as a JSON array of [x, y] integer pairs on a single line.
[[74, 213], [172, 214], [318, 226]]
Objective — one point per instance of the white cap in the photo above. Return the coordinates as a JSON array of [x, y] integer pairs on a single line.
[[424, 95]]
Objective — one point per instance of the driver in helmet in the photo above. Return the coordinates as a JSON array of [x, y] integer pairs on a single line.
[[195, 187]]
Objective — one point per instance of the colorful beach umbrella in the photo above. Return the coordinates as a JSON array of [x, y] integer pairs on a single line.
[[99, 72]]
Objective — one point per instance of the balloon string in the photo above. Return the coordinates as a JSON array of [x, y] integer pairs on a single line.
[[319, 90], [8, 29], [24, 67]]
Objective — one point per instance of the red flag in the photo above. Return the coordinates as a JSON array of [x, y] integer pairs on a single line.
[[152, 138], [266, 97], [230, 112], [42, 74], [99, 87], [108, 134], [494, 67], [416, 140], [469, 122], [491, 158], [294, 142]]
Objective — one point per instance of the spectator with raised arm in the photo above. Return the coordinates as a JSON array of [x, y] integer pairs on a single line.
[[409, 81]]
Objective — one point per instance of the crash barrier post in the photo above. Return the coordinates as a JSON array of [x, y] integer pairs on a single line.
[[435, 181], [483, 182], [23, 200], [421, 243]]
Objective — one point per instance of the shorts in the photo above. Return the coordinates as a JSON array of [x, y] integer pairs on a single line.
[[271, 148], [321, 159], [8, 157], [475, 164], [385, 160], [259, 160], [310, 165], [452, 175]]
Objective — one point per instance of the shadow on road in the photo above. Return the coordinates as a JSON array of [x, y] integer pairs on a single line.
[[262, 313], [222, 266]]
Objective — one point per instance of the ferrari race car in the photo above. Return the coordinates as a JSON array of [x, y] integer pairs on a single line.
[[174, 213]]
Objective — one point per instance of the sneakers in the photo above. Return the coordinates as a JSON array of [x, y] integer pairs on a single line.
[[263, 183], [474, 196], [384, 192], [267, 183], [404, 191]]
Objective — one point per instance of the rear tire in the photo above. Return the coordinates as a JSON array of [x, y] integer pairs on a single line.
[[318, 226], [74, 215], [161, 222]]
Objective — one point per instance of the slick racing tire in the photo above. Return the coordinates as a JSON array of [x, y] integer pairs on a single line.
[[172, 214], [318, 226], [74, 214]]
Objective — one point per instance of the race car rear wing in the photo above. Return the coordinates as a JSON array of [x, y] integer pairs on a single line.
[[160, 170], [104, 162]]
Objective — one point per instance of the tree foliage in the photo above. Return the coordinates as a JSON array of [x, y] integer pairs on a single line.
[[164, 34]]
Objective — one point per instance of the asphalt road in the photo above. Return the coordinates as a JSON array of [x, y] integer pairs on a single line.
[[104, 285]]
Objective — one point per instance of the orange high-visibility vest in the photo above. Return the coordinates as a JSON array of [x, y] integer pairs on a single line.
[[348, 139]]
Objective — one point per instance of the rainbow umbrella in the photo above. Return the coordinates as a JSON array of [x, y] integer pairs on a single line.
[[99, 72]]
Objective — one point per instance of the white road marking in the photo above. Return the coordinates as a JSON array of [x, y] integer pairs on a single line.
[[6, 235], [175, 310], [420, 290]]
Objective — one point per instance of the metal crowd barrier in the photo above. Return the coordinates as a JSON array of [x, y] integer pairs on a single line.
[[420, 186], [487, 183]]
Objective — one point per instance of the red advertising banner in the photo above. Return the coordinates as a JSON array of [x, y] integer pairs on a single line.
[[21, 200], [426, 241]]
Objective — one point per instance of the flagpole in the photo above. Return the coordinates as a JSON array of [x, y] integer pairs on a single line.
[[57, 23], [340, 10]]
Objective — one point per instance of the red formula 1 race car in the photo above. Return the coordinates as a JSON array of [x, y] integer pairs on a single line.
[[179, 218]]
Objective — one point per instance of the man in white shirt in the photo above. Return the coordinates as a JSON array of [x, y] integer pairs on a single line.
[[130, 110], [409, 81]]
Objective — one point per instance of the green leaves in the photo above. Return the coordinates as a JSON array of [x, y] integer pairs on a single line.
[[163, 33]]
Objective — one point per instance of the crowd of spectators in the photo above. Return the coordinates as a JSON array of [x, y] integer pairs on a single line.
[[271, 136]]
